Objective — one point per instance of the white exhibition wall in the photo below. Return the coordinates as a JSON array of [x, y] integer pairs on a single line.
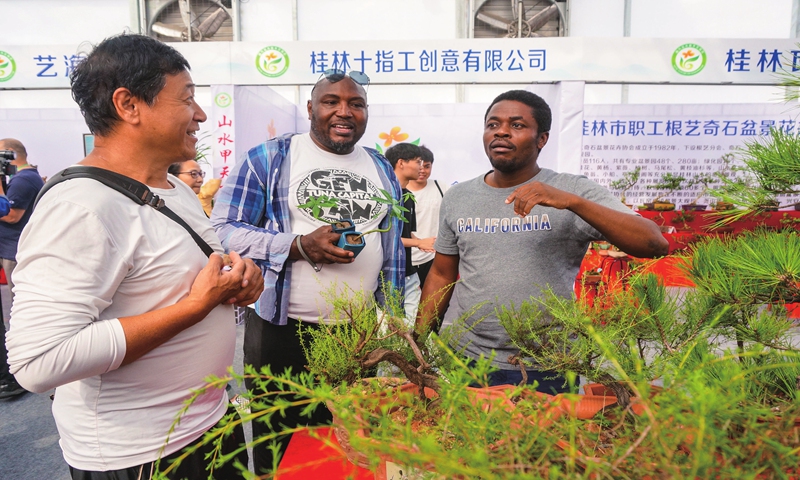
[[452, 131]]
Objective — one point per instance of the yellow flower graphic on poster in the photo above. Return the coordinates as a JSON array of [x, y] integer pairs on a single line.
[[395, 135]]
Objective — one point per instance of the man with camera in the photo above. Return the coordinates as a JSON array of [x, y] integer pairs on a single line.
[[23, 187]]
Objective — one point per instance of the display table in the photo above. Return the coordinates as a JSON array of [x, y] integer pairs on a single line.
[[689, 227], [698, 223], [318, 456]]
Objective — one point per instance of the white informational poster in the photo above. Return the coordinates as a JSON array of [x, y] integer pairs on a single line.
[[686, 140]]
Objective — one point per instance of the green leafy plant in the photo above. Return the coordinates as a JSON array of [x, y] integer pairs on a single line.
[[202, 150], [317, 204], [395, 208]]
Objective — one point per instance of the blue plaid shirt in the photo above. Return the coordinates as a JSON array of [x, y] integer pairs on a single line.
[[251, 217]]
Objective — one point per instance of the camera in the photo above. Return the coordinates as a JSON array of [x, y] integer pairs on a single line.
[[6, 156]]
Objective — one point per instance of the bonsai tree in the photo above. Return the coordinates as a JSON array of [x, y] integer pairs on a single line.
[[705, 180], [717, 403], [362, 337], [770, 168], [629, 180], [668, 183]]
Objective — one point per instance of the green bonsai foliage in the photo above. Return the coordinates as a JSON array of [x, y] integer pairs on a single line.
[[706, 180], [749, 270], [770, 168], [629, 180], [728, 363], [360, 338], [560, 334], [668, 183]]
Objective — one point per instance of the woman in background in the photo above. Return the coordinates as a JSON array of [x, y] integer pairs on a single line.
[[191, 174]]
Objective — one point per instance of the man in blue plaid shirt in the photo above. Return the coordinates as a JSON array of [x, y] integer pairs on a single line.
[[257, 214]]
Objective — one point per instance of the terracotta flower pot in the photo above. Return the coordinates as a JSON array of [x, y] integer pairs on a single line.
[[592, 279], [399, 396], [584, 407], [599, 390]]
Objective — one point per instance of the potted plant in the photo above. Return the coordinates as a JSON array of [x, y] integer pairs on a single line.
[[706, 180], [769, 170], [350, 239], [593, 276], [668, 183], [629, 180], [684, 216]]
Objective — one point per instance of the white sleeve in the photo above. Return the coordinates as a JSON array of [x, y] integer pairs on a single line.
[[68, 270]]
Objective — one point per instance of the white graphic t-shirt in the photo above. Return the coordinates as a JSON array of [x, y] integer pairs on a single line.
[[353, 179]]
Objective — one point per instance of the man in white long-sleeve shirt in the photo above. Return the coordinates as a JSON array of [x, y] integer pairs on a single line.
[[116, 305]]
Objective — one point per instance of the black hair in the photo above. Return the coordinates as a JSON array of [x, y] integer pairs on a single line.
[[426, 154], [540, 109], [136, 62], [402, 151], [175, 168]]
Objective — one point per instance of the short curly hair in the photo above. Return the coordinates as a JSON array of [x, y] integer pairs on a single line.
[[136, 62], [540, 108]]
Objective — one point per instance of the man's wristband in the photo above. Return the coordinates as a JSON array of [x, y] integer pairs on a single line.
[[316, 267]]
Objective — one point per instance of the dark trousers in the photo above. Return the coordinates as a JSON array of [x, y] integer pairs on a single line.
[[192, 467], [422, 271], [279, 347], [5, 376], [548, 382]]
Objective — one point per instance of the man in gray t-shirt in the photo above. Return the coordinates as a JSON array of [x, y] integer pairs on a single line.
[[518, 230]]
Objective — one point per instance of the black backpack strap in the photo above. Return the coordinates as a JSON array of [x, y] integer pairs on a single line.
[[133, 189], [438, 188]]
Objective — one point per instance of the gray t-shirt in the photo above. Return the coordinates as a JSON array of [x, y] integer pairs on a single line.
[[506, 259]]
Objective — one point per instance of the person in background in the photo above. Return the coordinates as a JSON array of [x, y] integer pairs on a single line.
[[191, 174], [406, 158], [428, 197], [8, 384], [516, 231], [23, 188], [118, 308]]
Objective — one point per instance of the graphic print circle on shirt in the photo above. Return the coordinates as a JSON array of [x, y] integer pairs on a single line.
[[353, 191]]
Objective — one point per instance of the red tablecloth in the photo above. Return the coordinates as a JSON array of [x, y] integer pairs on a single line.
[[310, 458], [688, 231]]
